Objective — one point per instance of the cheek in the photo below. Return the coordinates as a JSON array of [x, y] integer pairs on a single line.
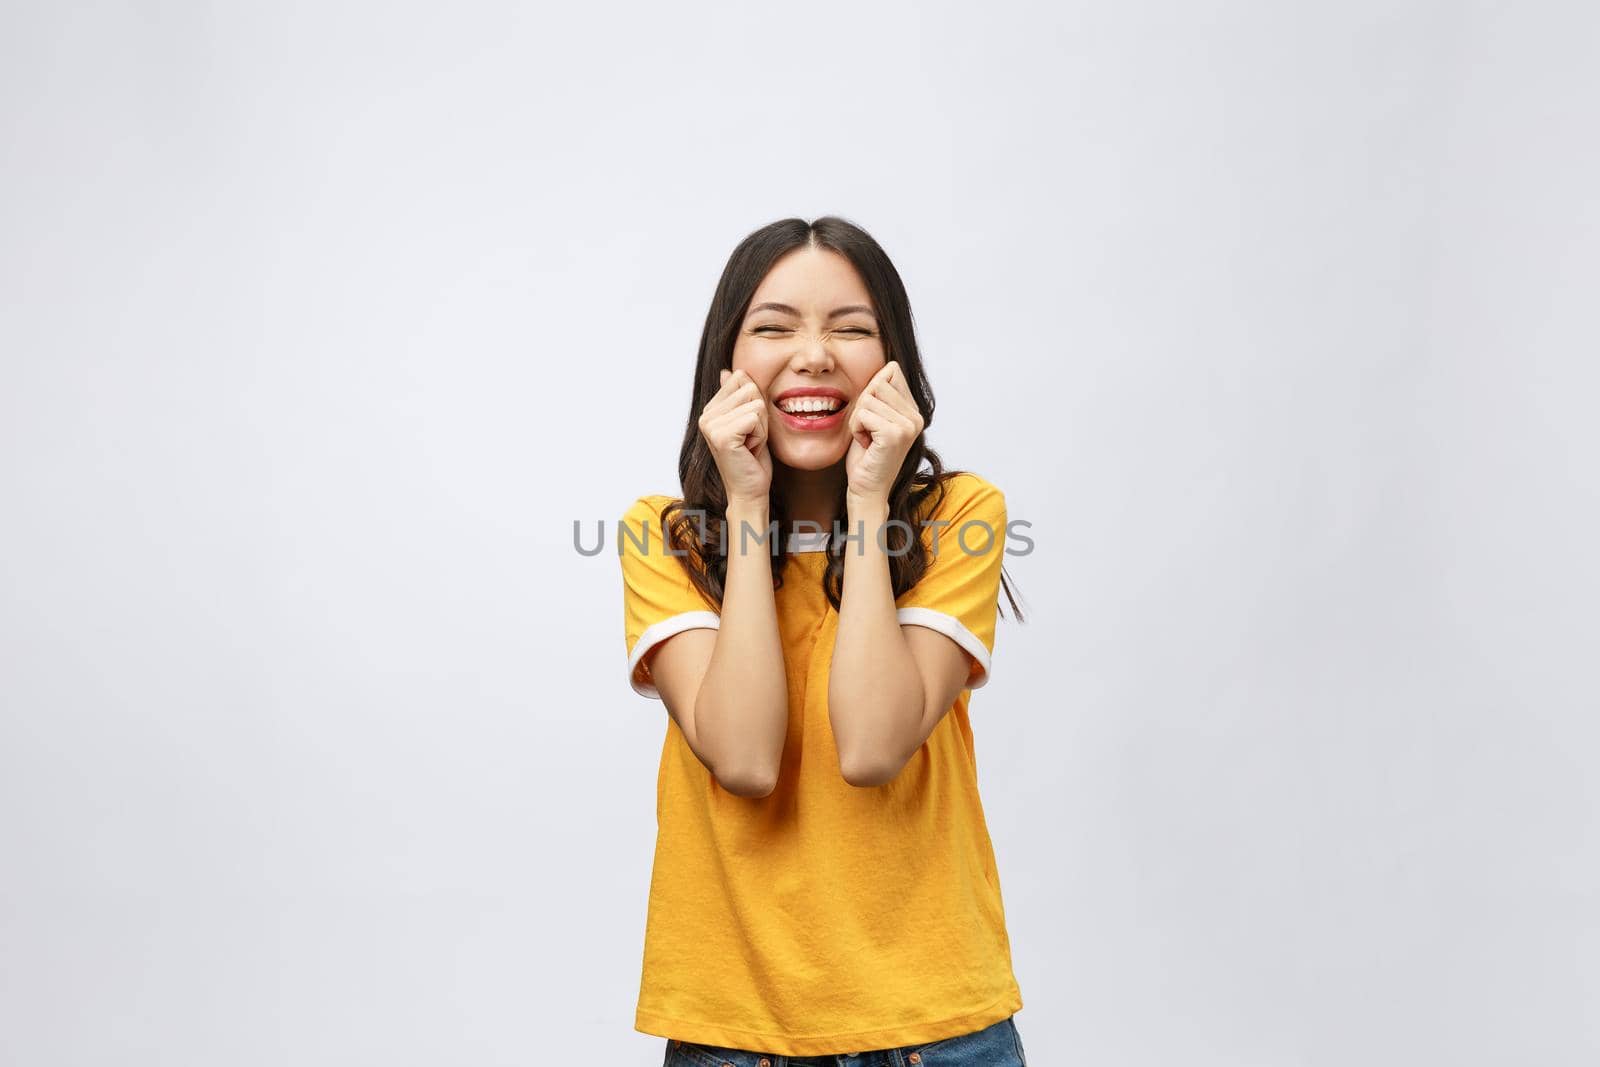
[[860, 365], [761, 368]]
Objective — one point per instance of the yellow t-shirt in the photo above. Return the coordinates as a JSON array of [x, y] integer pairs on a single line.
[[825, 917]]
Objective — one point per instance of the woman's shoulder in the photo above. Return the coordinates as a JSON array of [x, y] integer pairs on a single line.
[[649, 505], [958, 491], [972, 483]]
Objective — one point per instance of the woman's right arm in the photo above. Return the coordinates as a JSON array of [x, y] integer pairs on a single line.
[[727, 688], [730, 682]]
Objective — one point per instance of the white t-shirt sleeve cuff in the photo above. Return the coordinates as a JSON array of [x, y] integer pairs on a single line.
[[659, 632], [952, 628]]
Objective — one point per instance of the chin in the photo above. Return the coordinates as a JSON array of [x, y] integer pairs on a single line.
[[812, 458]]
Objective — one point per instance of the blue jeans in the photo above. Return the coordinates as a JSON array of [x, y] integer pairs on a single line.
[[994, 1046]]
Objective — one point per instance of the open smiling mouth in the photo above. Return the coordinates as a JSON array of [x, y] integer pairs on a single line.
[[812, 413]]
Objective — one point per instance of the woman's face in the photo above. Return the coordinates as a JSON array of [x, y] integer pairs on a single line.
[[809, 326]]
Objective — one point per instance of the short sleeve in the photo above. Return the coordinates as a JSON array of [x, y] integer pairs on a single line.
[[959, 594], [658, 599]]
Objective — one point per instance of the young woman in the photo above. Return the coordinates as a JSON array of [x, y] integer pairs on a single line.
[[814, 612]]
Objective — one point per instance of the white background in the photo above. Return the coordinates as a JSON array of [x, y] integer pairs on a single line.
[[322, 323]]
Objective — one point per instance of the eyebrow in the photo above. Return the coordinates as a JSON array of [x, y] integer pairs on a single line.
[[787, 310]]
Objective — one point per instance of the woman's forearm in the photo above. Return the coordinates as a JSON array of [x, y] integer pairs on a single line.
[[874, 689], [741, 712]]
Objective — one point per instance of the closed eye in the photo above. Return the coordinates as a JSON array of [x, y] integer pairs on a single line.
[[784, 329]]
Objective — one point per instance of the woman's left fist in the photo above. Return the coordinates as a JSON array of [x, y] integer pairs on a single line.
[[883, 424]]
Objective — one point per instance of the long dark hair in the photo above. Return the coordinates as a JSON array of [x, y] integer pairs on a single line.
[[915, 493]]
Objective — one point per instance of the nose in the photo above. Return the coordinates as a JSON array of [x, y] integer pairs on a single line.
[[812, 355]]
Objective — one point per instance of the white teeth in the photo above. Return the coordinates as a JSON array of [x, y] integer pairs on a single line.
[[797, 405]]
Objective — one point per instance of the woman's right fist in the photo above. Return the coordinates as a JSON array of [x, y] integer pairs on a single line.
[[734, 425]]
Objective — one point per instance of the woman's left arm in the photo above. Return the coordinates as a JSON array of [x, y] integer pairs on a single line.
[[889, 685], [886, 689]]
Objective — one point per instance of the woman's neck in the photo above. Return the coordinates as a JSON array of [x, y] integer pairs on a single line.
[[809, 496]]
